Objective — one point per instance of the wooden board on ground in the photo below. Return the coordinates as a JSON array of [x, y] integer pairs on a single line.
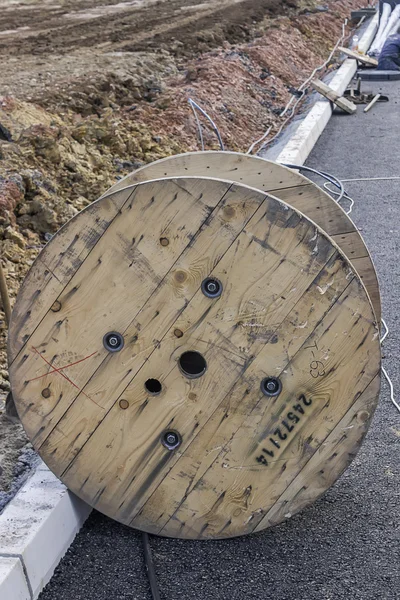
[[213, 359], [362, 58], [285, 184], [331, 95]]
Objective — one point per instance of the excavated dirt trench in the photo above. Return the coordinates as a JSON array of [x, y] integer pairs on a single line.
[[91, 90]]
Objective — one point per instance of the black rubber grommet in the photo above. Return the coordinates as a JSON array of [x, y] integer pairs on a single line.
[[271, 386], [171, 439], [113, 341], [211, 287]]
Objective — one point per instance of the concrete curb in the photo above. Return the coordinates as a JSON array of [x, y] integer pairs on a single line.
[[297, 150], [36, 529]]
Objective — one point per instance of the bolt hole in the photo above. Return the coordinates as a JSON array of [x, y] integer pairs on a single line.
[[171, 439], [211, 287], [192, 364], [153, 386], [271, 386], [113, 341]]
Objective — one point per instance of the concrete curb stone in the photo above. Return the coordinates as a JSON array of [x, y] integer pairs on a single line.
[[36, 529]]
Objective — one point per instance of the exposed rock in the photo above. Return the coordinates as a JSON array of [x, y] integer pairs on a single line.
[[12, 191], [14, 236]]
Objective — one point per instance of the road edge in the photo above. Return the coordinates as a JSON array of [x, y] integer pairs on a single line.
[[36, 529], [303, 140]]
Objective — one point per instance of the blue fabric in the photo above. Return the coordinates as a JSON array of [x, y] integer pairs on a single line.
[[390, 54]]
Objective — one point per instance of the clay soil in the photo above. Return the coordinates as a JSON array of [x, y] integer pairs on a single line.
[[90, 90]]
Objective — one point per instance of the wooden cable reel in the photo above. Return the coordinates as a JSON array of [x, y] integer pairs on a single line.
[[194, 358]]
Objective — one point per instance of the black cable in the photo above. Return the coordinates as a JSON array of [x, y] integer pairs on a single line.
[[151, 572], [328, 176]]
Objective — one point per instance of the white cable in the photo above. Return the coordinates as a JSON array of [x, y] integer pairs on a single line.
[[391, 388], [385, 373], [303, 89], [394, 177], [344, 196], [262, 138], [383, 338]]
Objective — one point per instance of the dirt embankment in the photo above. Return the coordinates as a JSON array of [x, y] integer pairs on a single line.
[[92, 90]]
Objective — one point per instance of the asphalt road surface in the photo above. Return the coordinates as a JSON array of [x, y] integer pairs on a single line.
[[347, 545]]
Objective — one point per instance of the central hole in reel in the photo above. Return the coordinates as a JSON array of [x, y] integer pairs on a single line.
[[192, 364], [153, 386]]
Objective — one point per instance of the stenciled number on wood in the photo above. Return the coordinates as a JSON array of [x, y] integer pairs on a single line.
[[286, 428]]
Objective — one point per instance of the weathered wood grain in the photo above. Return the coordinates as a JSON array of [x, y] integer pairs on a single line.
[[291, 307], [56, 264], [285, 184], [123, 273], [329, 93]]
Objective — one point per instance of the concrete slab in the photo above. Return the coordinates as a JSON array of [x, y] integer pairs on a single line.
[[39, 525], [13, 585]]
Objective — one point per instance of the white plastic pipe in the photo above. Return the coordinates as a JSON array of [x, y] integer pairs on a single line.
[[386, 11], [394, 28], [391, 26]]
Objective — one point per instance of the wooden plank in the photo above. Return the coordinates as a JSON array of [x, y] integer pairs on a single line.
[[331, 95], [351, 244], [291, 307], [285, 184], [369, 277], [362, 58], [372, 103]]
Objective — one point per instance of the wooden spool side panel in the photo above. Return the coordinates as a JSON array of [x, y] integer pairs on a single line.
[[259, 173], [290, 300], [91, 447]]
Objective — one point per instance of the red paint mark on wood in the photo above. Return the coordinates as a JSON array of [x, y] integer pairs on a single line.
[[58, 370], [61, 368]]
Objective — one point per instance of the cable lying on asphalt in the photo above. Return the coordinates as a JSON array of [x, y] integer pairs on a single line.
[[385, 373], [151, 572]]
